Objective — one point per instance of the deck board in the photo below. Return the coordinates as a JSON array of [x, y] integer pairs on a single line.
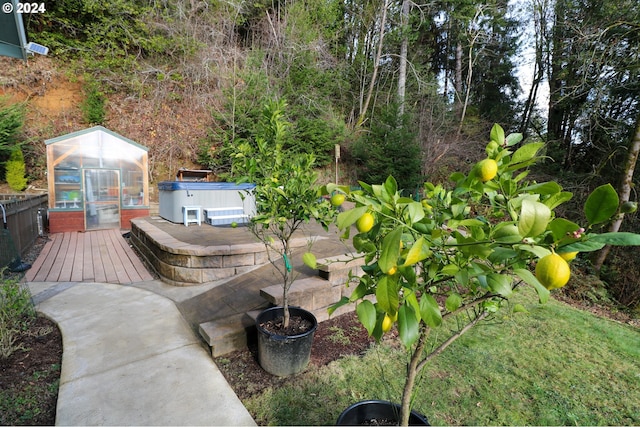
[[76, 273], [92, 256], [87, 272]]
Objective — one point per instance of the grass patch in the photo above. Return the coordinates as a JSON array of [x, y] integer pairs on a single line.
[[554, 366], [23, 404]]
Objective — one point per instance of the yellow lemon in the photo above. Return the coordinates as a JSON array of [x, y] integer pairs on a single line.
[[337, 199], [568, 256], [393, 270], [365, 223], [553, 271], [487, 169], [387, 323]]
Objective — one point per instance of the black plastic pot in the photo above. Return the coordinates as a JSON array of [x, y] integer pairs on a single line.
[[362, 413], [284, 355]]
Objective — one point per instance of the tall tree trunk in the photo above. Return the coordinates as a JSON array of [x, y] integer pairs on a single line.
[[556, 117], [538, 13], [376, 65], [402, 74], [624, 192], [458, 79]]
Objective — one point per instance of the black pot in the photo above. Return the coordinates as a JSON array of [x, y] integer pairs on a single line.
[[284, 355], [362, 412]]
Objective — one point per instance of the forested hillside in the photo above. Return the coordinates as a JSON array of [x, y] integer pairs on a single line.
[[404, 87]]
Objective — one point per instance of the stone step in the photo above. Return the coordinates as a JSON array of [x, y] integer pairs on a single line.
[[311, 293], [336, 269], [230, 333]]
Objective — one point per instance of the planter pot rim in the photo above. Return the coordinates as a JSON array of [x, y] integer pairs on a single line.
[[300, 312], [344, 415]]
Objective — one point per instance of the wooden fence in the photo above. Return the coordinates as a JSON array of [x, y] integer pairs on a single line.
[[26, 217]]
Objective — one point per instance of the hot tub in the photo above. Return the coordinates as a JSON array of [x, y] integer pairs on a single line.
[[207, 195]]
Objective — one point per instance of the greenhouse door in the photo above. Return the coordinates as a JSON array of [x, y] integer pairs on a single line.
[[101, 198]]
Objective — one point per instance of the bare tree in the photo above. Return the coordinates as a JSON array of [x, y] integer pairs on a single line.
[[376, 65], [402, 72]]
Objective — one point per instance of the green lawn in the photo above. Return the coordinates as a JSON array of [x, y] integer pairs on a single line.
[[553, 366]]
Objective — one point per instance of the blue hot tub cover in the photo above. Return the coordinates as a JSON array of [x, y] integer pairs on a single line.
[[188, 185]]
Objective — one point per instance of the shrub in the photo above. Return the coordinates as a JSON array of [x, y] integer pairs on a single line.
[[93, 107], [15, 171], [16, 313]]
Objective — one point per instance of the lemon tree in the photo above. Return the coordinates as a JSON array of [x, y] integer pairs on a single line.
[[465, 249], [287, 194]]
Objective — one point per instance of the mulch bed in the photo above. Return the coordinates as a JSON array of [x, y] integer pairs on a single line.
[[337, 337]]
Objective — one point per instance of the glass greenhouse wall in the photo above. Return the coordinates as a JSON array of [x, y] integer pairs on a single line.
[[97, 179]]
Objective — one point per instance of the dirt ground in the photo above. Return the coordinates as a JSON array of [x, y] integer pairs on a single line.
[[334, 338]]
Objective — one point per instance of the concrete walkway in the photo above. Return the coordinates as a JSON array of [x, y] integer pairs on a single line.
[[130, 358]]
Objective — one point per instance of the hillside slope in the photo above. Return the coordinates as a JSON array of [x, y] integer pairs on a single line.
[[163, 117]]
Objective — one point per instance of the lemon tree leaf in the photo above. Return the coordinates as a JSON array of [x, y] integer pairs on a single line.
[[419, 251], [549, 187], [450, 270], [560, 227], [526, 152], [453, 302], [415, 211], [616, 239], [601, 204], [529, 278], [501, 255], [387, 294], [332, 308], [429, 311], [500, 284], [347, 218], [390, 250], [497, 134], [391, 186], [408, 326], [411, 299], [309, 260], [534, 217], [366, 312], [538, 251], [513, 139], [583, 246]]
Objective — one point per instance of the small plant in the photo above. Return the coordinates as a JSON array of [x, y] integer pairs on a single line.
[[338, 336], [16, 170], [462, 253]]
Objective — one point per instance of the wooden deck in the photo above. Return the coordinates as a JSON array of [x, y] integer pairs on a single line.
[[94, 256]]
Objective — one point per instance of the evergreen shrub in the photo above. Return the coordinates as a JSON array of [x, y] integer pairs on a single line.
[[15, 171]]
